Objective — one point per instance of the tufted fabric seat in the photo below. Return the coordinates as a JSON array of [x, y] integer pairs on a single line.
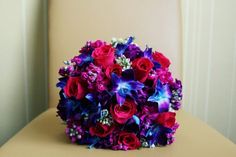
[[73, 22]]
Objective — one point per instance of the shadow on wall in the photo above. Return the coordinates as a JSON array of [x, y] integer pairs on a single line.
[[23, 64], [36, 56]]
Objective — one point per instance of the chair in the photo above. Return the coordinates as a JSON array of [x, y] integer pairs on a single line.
[[71, 24]]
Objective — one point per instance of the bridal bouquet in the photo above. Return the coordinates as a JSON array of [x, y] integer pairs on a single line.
[[118, 96]]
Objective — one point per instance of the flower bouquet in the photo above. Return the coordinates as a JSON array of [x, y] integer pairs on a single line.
[[117, 96]]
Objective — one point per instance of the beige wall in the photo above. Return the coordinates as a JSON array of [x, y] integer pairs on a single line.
[[23, 63], [209, 62], [73, 22]]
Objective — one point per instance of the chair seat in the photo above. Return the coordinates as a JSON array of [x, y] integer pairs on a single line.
[[44, 137]]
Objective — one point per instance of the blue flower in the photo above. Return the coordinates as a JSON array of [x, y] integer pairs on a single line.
[[148, 54], [161, 96], [62, 82], [157, 135], [83, 58], [67, 108], [123, 87], [121, 47]]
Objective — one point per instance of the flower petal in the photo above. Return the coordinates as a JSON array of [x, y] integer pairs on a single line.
[[161, 96], [135, 85], [148, 53], [136, 119], [120, 99]]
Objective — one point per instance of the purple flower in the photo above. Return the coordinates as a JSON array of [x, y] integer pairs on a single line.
[[74, 131], [164, 75], [170, 136], [176, 97], [95, 78], [66, 108], [133, 51], [87, 49], [65, 71]]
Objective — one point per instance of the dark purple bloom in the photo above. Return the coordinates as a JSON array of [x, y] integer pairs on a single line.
[[74, 131], [95, 78], [157, 135], [87, 49], [133, 51], [65, 71], [67, 108], [176, 97], [132, 125]]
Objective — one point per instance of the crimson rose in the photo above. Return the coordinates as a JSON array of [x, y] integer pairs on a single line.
[[121, 113], [128, 140], [115, 68], [104, 56], [167, 119], [160, 58], [74, 87], [101, 130], [142, 67]]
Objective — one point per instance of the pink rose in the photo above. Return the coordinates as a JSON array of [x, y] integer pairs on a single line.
[[75, 88], [121, 113], [104, 56]]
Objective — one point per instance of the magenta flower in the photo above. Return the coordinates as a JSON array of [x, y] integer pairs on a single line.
[[95, 78], [164, 75]]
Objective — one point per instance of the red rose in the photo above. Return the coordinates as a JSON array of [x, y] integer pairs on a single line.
[[104, 56], [115, 68], [160, 58], [74, 88], [128, 140], [101, 130], [142, 67], [121, 113], [167, 119]]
